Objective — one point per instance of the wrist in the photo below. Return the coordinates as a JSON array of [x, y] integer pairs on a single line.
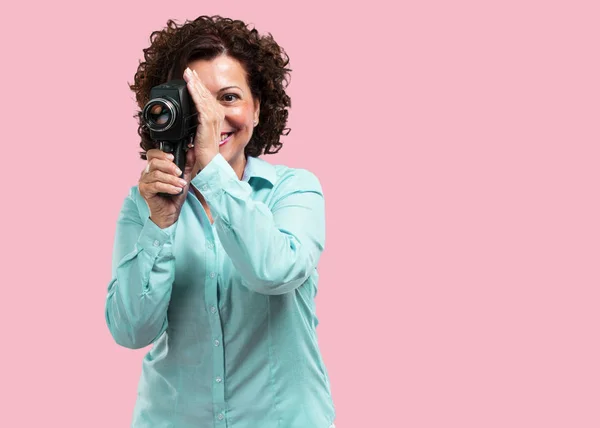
[[201, 162], [163, 223]]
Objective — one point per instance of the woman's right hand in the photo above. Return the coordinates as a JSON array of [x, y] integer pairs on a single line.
[[162, 175]]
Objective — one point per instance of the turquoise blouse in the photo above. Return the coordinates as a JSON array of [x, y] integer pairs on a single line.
[[228, 307]]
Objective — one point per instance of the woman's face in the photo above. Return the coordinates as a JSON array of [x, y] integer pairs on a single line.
[[225, 78]]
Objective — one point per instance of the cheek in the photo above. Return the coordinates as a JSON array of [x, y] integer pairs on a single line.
[[240, 116]]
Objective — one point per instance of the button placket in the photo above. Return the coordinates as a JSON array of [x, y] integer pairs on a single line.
[[211, 293]]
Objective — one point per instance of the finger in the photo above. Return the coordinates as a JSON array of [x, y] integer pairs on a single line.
[[202, 90], [194, 89], [161, 177], [155, 154], [158, 154], [191, 76], [164, 165], [160, 187], [206, 95]]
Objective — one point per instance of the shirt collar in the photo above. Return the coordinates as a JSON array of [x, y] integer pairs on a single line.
[[256, 167]]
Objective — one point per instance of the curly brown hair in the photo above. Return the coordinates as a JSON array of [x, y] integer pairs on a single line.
[[207, 37]]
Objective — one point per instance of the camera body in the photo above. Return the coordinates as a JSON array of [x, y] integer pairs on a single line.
[[172, 119]]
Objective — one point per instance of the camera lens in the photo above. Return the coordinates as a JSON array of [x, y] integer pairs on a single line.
[[159, 114]]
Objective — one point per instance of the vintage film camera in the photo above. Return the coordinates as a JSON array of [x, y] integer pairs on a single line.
[[171, 118]]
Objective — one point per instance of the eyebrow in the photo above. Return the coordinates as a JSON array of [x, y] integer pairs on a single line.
[[229, 87]]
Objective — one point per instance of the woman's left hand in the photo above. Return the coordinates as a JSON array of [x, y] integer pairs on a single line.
[[210, 121]]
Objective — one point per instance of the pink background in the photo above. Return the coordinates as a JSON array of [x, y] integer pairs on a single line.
[[457, 144]]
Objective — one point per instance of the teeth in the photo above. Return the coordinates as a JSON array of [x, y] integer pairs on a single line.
[[224, 136]]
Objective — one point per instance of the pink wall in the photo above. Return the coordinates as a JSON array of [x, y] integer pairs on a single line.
[[457, 144]]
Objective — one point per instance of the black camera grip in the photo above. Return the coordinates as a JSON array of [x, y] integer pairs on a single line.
[[178, 150]]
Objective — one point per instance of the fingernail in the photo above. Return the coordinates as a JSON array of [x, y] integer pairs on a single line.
[[170, 156], [178, 171], [188, 72], [182, 182]]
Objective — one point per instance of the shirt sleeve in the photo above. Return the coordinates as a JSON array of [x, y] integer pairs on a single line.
[[275, 249], [143, 270]]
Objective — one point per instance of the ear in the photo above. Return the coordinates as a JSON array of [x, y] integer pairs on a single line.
[[256, 110]]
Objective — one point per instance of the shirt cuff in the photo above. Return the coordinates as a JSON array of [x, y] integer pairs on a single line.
[[213, 178], [152, 238]]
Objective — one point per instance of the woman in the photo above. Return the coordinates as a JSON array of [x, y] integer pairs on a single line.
[[221, 276]]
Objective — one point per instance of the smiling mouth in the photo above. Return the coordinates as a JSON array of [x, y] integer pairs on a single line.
[[225, 137]]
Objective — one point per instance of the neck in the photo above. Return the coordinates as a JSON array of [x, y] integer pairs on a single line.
[[239, 165]]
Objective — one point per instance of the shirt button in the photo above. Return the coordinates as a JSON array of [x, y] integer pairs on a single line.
[[220, 416], [210, 245], [217, 342], [204, 187], [212, 274], [218, 379], [156, 243], [213, 309]]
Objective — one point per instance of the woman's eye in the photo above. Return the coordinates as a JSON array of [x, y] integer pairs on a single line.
[[230, 97]]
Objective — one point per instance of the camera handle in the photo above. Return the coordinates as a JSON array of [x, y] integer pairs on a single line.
[[178, 149]]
